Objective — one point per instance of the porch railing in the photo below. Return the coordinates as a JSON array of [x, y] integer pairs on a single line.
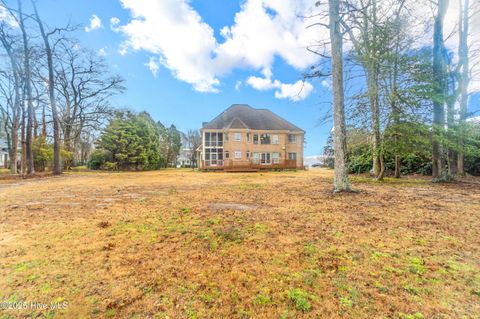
[[249, 164]]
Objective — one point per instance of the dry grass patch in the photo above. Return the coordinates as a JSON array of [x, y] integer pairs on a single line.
[[183, 244]]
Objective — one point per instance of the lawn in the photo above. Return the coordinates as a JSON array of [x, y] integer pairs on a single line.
[[183, 244]]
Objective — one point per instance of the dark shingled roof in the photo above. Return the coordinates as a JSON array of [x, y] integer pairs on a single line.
[[244, 116]]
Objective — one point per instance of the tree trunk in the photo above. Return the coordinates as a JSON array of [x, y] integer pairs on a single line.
[[28, 88], [14, 149], [451, 121], [439, 75], [16, 108], [341, 182], [44, 122], [372, 79], [397, 166], [463, 81], [23, 163]]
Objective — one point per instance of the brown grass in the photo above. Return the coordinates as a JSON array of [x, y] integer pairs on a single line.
[[182, 244]]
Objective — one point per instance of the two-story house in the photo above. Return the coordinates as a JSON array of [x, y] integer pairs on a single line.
[[244, 138]]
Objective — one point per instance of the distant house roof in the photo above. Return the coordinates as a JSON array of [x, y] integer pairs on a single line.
[[243, 116], [3, 145]]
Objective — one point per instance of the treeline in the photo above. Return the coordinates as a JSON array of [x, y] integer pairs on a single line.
[[136, 142], [399, 105], [54, 93], [55, 110]]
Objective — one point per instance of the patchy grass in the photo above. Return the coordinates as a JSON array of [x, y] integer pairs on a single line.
[[184, 244]]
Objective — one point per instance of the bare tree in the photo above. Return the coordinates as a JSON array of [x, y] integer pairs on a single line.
[[14, 80], [84, 86], [194, 140], [57, 168], [341, 182], [27, 74]]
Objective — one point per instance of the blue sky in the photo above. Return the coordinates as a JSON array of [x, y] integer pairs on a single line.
[[171, 100], [249, 62]]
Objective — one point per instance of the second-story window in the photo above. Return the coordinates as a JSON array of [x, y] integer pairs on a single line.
[[255, 138], [248, 137], [265, 139], [213, 139], [238, 137], [274, 139], [292, 138]]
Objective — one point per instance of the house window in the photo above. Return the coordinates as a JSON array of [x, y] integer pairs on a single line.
[[227, 154], [256, 158], [213, 156], [292, 156], [248, 137], [265, 139], [274, 139], [292, 138], [225, 136], [255, 138], [213, 139], [265, 159], [276, 158], [248, 154], [238, 154], [238, 137]]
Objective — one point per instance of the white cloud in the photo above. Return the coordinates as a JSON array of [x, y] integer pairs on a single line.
[[262, 31], [327, 84], [297, 91], [475, 119], [95, 23], [175, 32], [114, 22], [102, 52], [7, 17], [185, 44], [153, 66], [238, 85]]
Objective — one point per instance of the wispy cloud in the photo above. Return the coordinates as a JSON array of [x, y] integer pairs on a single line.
[[102, 52], [153, 66], [238, 85], [114, 22], [297, 91], [95, 23]]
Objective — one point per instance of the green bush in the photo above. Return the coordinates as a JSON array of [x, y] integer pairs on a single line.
[[111, 166], [130, 141], [97, 160]]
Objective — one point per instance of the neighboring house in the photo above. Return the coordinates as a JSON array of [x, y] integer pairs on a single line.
[[4, 156], [317, 160], [244, 138], [184, 158]]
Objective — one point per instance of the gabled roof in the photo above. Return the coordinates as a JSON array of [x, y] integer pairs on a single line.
[[243, 116]]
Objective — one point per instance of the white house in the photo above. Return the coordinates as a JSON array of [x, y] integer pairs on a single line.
[[4, 156]]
